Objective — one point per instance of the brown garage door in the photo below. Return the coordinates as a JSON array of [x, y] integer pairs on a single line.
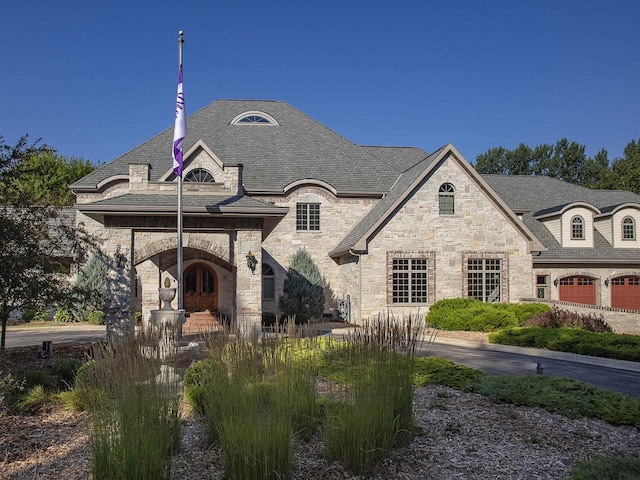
[[625, 292], [578, 289]]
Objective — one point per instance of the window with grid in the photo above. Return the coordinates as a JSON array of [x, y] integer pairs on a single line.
[[446, 199], [410, 280], [577, 228], [484, 279], [628, 229], [308, 216]]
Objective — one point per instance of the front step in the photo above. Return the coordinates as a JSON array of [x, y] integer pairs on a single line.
[[201, 322]]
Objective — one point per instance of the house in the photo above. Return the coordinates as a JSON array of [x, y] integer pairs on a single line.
[[390, 228]]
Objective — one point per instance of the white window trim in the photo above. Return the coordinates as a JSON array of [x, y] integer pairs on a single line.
[[236, 120]]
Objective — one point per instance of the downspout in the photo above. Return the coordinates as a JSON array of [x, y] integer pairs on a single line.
[[351, 252]]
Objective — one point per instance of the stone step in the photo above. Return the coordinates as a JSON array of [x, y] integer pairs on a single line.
[[200, 322]]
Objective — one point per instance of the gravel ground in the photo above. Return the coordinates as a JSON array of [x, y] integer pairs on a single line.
[[465, 436]]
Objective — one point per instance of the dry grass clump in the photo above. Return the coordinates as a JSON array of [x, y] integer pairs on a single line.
[[558, 318]]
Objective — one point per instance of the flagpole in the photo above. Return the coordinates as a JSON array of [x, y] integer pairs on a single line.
[[180, 272]]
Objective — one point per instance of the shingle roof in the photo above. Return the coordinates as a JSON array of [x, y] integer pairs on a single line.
[[536, 194], [272, 156], [132, 202], [405, 180]]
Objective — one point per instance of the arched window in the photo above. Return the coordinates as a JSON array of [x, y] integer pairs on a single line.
[[199, 175], [254, 118], [268, 283], [628, 228], [577, 228], [446, 198]]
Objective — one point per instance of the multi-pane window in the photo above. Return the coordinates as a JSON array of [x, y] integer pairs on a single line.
[[199, 175], [308, 216], [446, 199], [268, 283], [628, 229], [577, 228], [484, 279], [410, 280]]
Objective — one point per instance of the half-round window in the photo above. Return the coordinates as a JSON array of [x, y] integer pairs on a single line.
[[446, 199], [577, 228], [254, 118], [628, 228], [199, 175]]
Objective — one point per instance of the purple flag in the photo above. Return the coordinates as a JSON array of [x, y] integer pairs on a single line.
[[180, 131]]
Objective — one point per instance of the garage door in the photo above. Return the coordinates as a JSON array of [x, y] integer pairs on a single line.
[[625, 292], [578, 290]]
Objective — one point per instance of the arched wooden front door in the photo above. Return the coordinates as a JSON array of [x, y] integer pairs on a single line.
[[200, 288]]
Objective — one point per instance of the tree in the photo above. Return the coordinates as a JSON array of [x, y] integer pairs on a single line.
[[45, 178], [564, 160], [39, 243], [625, 171], [303, 289], [90, 290]]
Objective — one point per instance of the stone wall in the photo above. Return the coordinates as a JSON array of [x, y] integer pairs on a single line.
[[476, 227], [337, 217]]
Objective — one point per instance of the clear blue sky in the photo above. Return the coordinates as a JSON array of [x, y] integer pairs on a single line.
[[95, 79]]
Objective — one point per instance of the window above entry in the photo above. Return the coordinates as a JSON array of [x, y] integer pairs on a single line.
[[254, 118], [199, 175]]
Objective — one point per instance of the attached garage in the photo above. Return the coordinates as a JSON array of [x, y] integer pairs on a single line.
[[625, 292], [578, 289]]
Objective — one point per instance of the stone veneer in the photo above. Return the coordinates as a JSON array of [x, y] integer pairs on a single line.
[[477, 228]]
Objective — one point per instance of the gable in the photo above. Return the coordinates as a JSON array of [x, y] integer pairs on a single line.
[[411, 182]]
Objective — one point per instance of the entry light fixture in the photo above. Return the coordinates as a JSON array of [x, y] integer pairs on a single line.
[[252, 262], [555, 282], [606, 282]]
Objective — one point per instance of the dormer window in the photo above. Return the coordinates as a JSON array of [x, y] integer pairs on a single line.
[[199, 175], [577, 228], [254, 118], [628, 228], [446, 199]]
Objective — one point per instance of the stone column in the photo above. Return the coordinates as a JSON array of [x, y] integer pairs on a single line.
[[248, 282]]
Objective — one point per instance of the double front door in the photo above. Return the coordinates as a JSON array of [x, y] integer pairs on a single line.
[[200, 288]]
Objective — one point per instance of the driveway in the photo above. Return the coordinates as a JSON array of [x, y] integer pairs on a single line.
[[618, 375], [68, 333]]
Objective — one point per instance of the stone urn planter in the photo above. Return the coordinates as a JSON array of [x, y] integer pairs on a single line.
[[167, 295]]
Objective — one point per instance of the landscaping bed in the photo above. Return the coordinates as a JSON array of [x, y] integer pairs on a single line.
[[465, 435]]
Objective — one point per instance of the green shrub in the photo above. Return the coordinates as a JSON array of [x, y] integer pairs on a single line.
[[63, 315], [66, 370], [96, 317], [439, 371], [573, 340], [37, 314], [33, 400], [607, 468], [10, 390], [567, 397], [469, 314]]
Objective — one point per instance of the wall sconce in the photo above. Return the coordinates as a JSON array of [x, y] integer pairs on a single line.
[[606, 282], [252, 261], [120, 258], [555, 282]]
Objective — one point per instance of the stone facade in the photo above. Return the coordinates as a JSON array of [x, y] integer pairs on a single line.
[[385, 241]]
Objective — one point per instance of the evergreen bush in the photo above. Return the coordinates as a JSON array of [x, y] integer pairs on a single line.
[[91, 286], [303, 289], [469, 314]]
